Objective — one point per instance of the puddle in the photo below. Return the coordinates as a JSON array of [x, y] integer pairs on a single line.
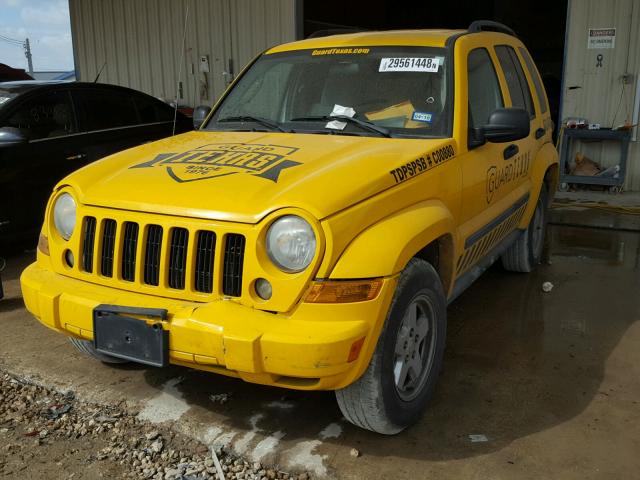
[[594, 245]]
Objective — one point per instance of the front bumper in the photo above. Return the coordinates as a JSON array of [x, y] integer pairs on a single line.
[[307, 349]]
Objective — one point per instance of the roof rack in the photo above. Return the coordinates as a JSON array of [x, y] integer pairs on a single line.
[[490, 26], [334, 31]]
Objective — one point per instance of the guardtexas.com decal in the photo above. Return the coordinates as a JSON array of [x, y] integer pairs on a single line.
[[222, 159]]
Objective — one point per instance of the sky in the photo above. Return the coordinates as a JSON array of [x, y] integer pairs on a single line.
[[46, 24]]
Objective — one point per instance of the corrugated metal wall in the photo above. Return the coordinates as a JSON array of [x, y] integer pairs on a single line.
[[139, 42], [598, 92]]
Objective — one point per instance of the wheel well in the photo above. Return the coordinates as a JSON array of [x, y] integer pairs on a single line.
[[439, 253]]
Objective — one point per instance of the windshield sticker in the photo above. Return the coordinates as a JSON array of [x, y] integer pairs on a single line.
[[222, 159], [422, 164], [422, 117], [416, 64], [341, 51]]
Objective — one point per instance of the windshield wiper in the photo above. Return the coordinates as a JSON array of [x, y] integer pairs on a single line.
[[361, 123], [250, 118]]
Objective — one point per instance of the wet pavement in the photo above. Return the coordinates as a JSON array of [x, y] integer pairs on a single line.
[[552, 380]]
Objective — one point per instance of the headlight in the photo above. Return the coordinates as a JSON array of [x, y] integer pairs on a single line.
[[64, 215], [291, 243]]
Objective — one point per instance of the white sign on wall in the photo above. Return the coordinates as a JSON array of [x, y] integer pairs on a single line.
[[602, 38]]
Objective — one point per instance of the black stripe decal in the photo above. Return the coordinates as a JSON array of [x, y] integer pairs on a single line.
[[495, 222]]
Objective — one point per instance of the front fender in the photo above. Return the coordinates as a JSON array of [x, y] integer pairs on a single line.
[[386, 247]]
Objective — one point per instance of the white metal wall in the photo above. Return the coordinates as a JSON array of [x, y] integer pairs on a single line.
[[598, 92], [139, 42]]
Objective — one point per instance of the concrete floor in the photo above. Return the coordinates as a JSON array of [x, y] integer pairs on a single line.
[[551, 379]]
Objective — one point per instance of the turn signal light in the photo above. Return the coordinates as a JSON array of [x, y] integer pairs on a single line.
[[355, 350], [344, 291], [43, 244]]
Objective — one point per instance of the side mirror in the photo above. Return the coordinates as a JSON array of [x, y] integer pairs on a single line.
[[507, 125], [199, 114], [12, 136]]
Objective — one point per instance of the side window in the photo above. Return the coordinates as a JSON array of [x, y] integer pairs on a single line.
[[47, 116], [106, 109], [149, 111], [516, 81], [484, 89], [537, 81]]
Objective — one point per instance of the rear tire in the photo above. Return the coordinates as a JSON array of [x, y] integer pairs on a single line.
[[86, 347], [403, 372], [526, 252]]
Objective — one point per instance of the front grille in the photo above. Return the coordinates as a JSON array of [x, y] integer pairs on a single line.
[[204, 261], [233, 261], [152, 255], [108, 246], [129, 246], [178, 257], [88, 243]]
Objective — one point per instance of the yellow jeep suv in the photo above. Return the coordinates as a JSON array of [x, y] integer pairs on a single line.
[[311, 232]]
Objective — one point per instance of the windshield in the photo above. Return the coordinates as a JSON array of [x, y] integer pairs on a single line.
[[390, 91]]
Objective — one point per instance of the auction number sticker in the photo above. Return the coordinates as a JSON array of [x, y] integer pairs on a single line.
[[410, 64]]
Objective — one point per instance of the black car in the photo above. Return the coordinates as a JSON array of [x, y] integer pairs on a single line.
[[49, 129]]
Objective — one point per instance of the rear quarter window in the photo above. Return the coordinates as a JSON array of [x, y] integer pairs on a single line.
[[516, 79], [537, 81]]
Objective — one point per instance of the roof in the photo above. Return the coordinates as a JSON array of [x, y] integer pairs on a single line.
[[427, 38], [26, 85]]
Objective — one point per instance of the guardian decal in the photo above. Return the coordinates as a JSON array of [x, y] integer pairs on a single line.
[[498, 177]]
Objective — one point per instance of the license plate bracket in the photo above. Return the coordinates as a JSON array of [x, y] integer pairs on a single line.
[[130, 338]]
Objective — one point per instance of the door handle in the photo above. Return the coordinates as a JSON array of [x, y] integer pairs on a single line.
[[540, 133], [77, 156], [510, 151]]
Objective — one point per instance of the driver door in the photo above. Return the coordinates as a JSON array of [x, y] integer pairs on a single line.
[[495, 175]]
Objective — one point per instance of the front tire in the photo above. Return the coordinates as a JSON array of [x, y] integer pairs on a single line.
[[86, 347], [402, 374], [526, 252]]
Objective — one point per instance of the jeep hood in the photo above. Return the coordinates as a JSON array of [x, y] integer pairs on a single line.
[[243, 176]]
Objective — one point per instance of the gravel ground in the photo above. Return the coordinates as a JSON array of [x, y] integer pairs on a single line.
[[48, 434]]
